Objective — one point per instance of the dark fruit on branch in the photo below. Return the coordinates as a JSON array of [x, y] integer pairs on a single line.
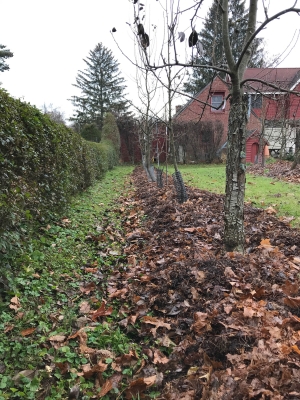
[[140, 29], [144, 40], [193, 38]]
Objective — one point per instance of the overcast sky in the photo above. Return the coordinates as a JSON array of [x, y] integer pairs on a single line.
[[49, 40]]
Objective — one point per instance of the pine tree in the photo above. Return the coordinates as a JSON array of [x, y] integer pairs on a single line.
[[4, 54], [102, 88], [211, 39]]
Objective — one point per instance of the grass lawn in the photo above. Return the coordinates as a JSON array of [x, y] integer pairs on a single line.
[[262, 192]]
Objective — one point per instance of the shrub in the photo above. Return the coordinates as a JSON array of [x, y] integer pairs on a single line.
[[42, 165]]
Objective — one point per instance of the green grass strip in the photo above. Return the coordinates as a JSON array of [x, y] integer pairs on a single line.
[[261, 191]]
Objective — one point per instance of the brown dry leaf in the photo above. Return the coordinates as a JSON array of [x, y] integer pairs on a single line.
[[200, 322], [192, 371], [228, 309], [132, 260], [296, 349], [229, 273], [27, 373], [145, 278], [285, 349], [293, 302], [136, 389], [8, 328], [91, 270], [265, 243], [166, 341], [296, 260], [87, 288], [101, 312], [127, 359], [270, 210], [111, 383], [118, 293], [89, 371], [15, 303], [84, 307], [290, 288], [275, 332], [156, 322], [249, 312], [191, 230], [200, 276], [159, 357], [57, 338], [27, 332], [20, 315], [132, 319], [64, 367], [194, 293], [150, 380]]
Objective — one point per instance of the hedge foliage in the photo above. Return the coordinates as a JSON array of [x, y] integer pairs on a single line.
[[42, 165]]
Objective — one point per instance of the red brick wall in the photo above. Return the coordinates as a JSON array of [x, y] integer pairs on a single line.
[[294, 109], [196, 111]]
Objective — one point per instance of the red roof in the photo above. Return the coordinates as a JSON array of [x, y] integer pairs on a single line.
[[285, 78]]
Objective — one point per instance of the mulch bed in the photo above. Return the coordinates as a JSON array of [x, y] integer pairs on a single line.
[[280, 169], [213, 324]]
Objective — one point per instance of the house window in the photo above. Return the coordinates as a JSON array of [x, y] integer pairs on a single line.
[[256, 101], [216, 101]]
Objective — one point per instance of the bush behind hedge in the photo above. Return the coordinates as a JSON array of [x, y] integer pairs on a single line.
[[42, 165]]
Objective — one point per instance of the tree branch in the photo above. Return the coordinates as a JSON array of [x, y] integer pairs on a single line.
[[226, 40], [267, 21], [270, 85]]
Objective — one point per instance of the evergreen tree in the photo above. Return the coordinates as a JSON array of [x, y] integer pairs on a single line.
[[91, 132], [102, 88], [4, 54], [110, 131], [213, 50]]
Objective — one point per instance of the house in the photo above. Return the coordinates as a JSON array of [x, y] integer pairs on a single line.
[[277, 111], [272, 113], [256, 147]]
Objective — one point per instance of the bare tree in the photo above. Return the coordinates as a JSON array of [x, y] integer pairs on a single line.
[[235, 68], [54, 113]]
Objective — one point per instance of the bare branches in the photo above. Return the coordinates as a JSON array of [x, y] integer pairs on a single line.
[[226, 40], [262, 26], [268, 84]]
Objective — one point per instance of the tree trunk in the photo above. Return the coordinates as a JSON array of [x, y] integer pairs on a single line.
[[234, 235], [297, 149]]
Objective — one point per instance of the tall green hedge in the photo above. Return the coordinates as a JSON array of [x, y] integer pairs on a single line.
[[42, 164]]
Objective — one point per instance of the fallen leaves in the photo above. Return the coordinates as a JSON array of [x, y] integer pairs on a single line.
[[156, 322], [101, 311], [15, 303], [87, 288]]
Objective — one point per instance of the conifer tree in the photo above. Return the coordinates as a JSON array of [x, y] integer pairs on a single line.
[[102, 88], [213, 48], [4, 54]]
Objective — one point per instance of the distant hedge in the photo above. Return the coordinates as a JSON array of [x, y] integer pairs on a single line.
[[42, 165]]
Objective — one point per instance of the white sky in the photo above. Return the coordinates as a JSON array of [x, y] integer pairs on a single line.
[[49, 40]]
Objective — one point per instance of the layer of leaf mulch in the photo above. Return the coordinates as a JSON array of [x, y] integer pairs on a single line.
[[213, 325], [280, 170]]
